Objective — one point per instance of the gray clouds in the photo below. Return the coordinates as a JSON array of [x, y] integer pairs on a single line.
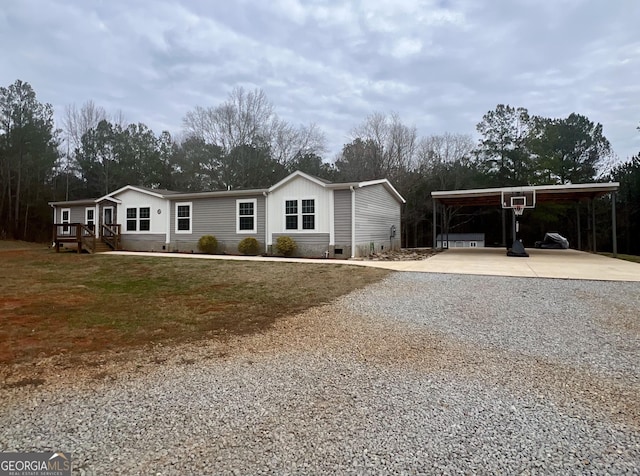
[[439, 64]]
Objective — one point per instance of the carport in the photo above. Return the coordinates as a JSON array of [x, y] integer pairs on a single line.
[[492, 197]]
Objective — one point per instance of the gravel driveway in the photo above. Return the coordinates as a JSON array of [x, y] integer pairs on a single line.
[[419, 374]]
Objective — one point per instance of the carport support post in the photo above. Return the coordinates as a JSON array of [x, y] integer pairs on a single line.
[[433, 226], [504, 227], [578, 223], [614, 234], [593, 223]]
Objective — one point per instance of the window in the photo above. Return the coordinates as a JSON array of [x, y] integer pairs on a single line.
[[183, 217], [308, 215], [132, 219], [473, 244], [300, 212], [291, 214], [145, 219], [246, 218]]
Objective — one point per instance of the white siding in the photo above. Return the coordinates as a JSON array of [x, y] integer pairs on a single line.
[[134, 199], [299, 189], [376, 212]]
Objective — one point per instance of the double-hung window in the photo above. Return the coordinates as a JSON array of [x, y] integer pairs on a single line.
[[300, 214], [308, 214], [145, 219], [132, 219], [183, 217], [291, 214], [139, 219], [246, 216]]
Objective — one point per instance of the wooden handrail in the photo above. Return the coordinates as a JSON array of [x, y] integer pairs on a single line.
[[85, 235], [110, 234]]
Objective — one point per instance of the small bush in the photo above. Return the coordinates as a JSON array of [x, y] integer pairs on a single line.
[[286, 246], [249, 246], [207, 244]]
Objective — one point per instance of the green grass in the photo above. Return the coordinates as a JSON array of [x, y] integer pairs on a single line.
[[632, 258], [54, 303]]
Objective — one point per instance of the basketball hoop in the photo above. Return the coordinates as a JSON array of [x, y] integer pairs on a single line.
[[518, 210]]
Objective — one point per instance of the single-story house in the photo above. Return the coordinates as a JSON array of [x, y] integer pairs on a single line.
[[325, 219], [460, 240]]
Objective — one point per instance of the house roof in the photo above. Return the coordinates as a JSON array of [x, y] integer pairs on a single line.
[[174, 195], [71, 203], [461, 236]]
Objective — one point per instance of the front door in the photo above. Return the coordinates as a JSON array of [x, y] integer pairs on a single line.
[[65, 217], [107, 215]]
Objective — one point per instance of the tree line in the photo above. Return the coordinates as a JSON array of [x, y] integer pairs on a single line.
[[242, 143]]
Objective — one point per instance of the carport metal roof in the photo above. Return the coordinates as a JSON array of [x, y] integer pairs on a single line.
[[544, 193], [486, 197]]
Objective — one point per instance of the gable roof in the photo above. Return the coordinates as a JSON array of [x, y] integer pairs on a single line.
[[340, 186], [145, 190], [299, 173]]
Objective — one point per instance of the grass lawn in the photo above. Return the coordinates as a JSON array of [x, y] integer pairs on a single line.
[[69, 303], [633, 258]]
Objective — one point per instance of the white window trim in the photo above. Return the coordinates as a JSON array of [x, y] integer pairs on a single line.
[[137, 231], [300, 214], [255, 216], [190, 230]]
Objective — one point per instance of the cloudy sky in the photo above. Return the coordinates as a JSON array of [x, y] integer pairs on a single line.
[[440, 64]]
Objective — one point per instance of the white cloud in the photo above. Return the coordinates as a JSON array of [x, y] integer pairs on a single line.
[[439, 63]]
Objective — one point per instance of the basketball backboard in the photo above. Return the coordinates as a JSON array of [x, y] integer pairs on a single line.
[[519, 197]]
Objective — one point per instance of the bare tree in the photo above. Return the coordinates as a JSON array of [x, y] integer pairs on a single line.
[[78, 121], [249, 119], [395, 142]]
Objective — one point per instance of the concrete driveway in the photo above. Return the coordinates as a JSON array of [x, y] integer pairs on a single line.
[[563, 264]]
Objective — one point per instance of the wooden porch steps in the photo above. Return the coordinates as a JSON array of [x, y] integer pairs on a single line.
[[101, 247]]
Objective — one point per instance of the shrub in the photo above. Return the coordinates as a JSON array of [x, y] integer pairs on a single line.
[[286, 246], [207, 244], [249, 246]]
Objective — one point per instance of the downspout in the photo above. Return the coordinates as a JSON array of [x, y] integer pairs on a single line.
[[353, 221], [266, 221]]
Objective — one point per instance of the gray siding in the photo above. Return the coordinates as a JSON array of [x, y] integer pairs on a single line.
[[342, 214], [309, 244], [217, 217], [143, 242], [76, 214], [376, 211]]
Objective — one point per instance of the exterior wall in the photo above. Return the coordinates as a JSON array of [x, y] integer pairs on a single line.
[[134, 199], [309, 244], [299, 189], [144, 242], [342, 223], [218, 217], [376, 212], [76, 213]]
